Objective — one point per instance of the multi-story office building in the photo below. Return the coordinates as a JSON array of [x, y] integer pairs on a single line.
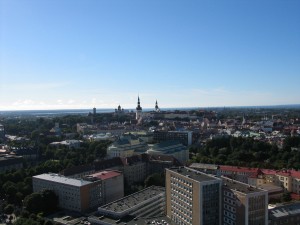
[[73, 194], [192, 197], [185, 137], [112, 185], [243, 204]]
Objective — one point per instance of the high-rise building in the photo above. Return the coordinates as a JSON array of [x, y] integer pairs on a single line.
[[243, 204], [192, 197]]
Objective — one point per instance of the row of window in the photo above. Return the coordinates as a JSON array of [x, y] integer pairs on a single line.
[[229, 201], [230, 208], [178, 179]]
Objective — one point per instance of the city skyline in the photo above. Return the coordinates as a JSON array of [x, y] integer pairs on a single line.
[[79, 55]]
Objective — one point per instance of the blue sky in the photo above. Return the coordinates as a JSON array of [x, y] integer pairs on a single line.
[[79, 54]]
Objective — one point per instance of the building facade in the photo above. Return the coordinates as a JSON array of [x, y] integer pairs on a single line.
[[73, 194], [243, 204], [192, 197], [185, 137], [112, 185]]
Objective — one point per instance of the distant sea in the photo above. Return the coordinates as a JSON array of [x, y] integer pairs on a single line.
[[57, 112]]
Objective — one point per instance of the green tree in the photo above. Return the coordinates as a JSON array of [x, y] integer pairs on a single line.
[[9, 209], [25, 221], [52, 200], [157, 179], [34, 203], [286, 197]]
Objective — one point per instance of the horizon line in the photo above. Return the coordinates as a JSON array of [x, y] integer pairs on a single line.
[[189, 107]]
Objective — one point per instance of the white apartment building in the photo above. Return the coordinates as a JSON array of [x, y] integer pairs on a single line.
[[73, 194]]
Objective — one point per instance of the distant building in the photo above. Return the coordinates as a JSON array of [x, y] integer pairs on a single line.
[[206, 168], [126, 145], [10, 162], [56, 130], [174, 148], [138, 114], [83, 128], [2, 133], [105, 136], [27, 153], [238, 173], [94, 111], [119, 110], [135, 168], [185, 137], [156, 107], [67, 143], [73, 194], [192, 197]]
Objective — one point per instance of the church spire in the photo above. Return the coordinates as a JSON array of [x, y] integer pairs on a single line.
[[156, 106], [138, 104]]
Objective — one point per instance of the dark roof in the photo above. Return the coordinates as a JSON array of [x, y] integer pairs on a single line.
[[166, 144], [108, 163], [239, 186], [193, 174], [6, 160]]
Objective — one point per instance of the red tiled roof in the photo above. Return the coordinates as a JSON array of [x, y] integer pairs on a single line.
[[268, 172], [103, 175], [285, 173], [295, 174], [239, 169]]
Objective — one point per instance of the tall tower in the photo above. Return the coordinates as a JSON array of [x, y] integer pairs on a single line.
[[156, 107], [138, 114]]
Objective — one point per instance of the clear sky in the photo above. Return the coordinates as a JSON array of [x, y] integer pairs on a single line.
[[59, 54]]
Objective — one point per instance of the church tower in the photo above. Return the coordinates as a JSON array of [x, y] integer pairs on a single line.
[[138, 114], [156, 107]]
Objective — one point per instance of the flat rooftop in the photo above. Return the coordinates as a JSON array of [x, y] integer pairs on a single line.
[[106, 174], [130, 220], [239, 186], [204, 166], [62, 179], [284, 211], [134, 199], [193, 174]]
